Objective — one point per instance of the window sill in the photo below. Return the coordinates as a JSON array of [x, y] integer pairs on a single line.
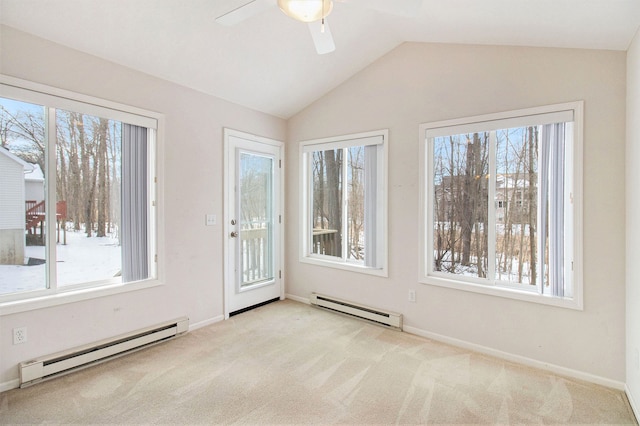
[[379, 272], [505, 292], [71, 296]]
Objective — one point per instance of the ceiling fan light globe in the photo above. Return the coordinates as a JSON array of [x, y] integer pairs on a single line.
[[306, 10]]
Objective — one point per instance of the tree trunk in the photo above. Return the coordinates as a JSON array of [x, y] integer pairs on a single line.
[[334, 197], [102, 177], [454, 193], [471, 196], [532, 204], [74, 183], [466, 219]]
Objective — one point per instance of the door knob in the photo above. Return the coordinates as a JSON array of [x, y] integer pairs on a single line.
[[234, 234]]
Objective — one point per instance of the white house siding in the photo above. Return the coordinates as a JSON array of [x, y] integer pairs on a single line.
[[12, 220], [34, 184]]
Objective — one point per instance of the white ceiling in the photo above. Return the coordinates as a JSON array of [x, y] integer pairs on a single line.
[[268, 62]]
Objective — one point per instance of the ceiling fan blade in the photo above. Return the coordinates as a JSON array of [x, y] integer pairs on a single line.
[[243, 12], [404, 8], [323, 40]]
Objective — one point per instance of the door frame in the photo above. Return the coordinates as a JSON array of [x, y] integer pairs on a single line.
[[229, 199]]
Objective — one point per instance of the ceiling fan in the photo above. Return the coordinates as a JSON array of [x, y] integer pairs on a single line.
[[314, 12]]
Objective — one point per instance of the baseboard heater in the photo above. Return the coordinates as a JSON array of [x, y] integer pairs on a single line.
[[389, 319], [61, 363]]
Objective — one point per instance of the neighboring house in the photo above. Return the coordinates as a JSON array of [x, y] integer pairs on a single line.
[[20, 182], [33, 183], [511, 199], [12, 213]]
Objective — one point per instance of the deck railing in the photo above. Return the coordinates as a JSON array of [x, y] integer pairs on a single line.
[[256, 256], [35, 215], [324, 241]]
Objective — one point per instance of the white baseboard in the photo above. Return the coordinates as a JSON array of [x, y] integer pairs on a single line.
[[14, 384], [634, 406], [11, 384], [530, 362], [298, 298], [556, 369], [206, 322]]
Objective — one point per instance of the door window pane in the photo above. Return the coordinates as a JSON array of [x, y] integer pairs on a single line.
[[256, 219]]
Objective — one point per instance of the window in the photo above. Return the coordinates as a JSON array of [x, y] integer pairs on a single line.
[[77, 194], [344, 202], [502, 205]]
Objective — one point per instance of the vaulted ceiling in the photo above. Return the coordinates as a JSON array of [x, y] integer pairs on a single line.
[[268, 62]]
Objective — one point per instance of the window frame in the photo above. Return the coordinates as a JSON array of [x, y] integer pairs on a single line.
[[489, 122], [306, 199], [53, 99]]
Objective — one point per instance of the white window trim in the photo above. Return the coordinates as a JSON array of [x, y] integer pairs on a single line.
[[27, 91], [382, 247], [483, 122]]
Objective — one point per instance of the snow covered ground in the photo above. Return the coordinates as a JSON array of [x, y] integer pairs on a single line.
[[81, 260]]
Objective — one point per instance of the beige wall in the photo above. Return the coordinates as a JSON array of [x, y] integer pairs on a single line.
[[192, 179], [413, 84], [418, 83], [633, 222]]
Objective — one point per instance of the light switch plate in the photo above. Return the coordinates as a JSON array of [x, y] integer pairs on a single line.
[[210, 219]]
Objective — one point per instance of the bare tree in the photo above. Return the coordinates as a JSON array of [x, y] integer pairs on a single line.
[[532, 200], [102, 176], [333, 160], [27, 127], [6, 127], [356, 203], [327, 199]]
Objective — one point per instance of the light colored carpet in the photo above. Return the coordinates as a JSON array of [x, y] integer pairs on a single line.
[[289, 363]]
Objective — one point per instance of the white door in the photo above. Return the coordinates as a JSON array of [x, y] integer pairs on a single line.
[[253, 220]]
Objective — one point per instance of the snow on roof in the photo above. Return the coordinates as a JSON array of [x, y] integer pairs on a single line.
[[507, 180], [34, 174]]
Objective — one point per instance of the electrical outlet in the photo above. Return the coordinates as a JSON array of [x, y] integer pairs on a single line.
[[19, 335], [412, 295]]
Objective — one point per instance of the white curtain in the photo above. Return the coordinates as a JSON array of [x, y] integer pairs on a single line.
[[370, 204], [134, 236], [552, 187]]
